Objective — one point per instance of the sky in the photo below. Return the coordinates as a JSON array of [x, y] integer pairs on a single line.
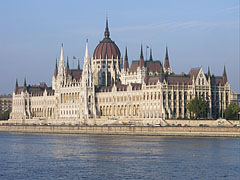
[[198, 34]]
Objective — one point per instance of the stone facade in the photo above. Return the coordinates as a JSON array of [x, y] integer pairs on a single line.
[[5, 103], [108, 88]]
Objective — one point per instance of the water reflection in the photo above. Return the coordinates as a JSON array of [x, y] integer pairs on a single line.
[[36, 156]]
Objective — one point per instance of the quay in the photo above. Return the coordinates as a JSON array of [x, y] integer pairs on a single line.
[[126, 130]]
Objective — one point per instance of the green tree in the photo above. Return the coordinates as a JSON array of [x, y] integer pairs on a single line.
[[197, 107], [231, 111], [4, 115]]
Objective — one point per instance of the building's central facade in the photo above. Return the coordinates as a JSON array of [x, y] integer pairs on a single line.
[[108, 87]]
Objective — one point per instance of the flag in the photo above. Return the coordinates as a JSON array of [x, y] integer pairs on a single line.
[[147, 46], [74, 57]]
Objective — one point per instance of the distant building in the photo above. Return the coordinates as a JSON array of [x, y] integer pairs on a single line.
[[235, 98], [108, 86], [5, 103]]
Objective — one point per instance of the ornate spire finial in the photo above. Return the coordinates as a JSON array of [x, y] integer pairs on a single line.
[[141, 55], [224, 71], [86, 50], [209, 74], [67, 63], [106, 33], [126, 65], [25, 82], [56, 69], [56, 64], [16, 83], [224, 75], [78, 65], [61, 54], [141, 58], [166, 57], [126, 56], [166, 62], [151, 58], [16, 87], [25, 85]]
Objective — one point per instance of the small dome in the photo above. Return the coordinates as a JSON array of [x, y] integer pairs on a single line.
[[106, 49]]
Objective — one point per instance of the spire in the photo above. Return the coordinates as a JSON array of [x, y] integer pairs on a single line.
[[209, 74], [78, 65], [106, 33], [151, 58], [166, 57], [86, 74], [16, 87], [166, 62], [61, 55], [25, 82], [56, 69], [61, 66], [224, 75], [141, 55], [25, 85], [67, 69], [126, 65], [141, 64], [67, 63], [86, 51]]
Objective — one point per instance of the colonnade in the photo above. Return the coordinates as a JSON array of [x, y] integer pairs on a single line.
[[120, 110], [70, 97]]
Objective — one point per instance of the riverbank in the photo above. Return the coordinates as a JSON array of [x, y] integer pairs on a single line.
[[127, 130]]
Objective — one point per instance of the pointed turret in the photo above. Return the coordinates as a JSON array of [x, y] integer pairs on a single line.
[[67, 68], [86, 63], [56, 69], [224, 75], [61, 67], [126, 65], [209, 74], [25, 85], [86, 50], [16, 86], [87, 82], [61, 55], [78, 65], [141, 63], [106, 33], [151, 58], [167, 68], [67, 63]]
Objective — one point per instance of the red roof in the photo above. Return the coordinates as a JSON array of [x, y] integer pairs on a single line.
[[173, 80], [76, 74], [106, 49]]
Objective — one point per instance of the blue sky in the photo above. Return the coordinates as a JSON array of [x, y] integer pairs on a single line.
[[198, 34]]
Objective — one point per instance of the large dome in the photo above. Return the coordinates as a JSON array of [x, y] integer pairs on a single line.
[[106, 49]]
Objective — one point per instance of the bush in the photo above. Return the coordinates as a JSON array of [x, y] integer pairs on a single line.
[[231, 111]]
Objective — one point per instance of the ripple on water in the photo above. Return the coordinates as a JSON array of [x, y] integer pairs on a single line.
[[37, 156]]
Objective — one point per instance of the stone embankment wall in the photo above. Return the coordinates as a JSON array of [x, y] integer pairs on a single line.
[[219, 122], [136, 121], [128, 130]]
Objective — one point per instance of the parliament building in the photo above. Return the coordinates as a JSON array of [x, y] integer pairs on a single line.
[[109, 87]]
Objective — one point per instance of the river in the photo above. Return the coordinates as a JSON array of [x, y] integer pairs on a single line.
[[93, 157]]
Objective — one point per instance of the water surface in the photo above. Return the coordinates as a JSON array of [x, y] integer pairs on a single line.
[[46, 156]]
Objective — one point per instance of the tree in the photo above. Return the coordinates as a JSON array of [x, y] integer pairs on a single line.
[[197, 107], [4, 115], [231, 111]]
